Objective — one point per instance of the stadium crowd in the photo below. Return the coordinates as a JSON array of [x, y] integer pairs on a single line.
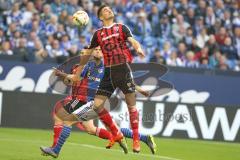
[[185, 33]]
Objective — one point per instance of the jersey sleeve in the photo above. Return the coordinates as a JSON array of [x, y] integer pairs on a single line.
[[126, 31], [94, 41]]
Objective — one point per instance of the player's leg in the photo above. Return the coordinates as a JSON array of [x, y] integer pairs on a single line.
[[90, 128], [147, 139], [127, 86], [103, 114], [54, 151], [58, 123], [63, 112], [134, 119]]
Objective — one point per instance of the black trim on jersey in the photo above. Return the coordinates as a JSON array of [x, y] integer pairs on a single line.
[[94, 41], [126, 31]]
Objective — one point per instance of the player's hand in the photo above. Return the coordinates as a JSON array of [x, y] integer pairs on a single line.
[[70, 79], [140, 53], [59, 73], [145, 93]]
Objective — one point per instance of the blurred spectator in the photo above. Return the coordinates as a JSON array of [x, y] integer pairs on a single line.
[[201, 9], [219, 8], [199, 25], [56, 50], [2, 35], [163, 29], [22, 50], [210, 18], [65, 43], [28, 13], [62, 19], [82, 42], [222, 63], [227, 22], [31, 40], [181, 50], [148, 5], [72, 7], [161, 4], [154, 16], [15, 40], [60, 31], [202, 38], [39, 53], [157, 57], [143, 27], [202, 54], [190, 61], [167, 50], [46, 15], [221, 36], [179, 29], [188, 39], [212, 45], [190, 17], [204, 63], [57, 6], [236, 39], [229, 50], [6, 48], [214, 59], [51, 27], [73, 51], [174, 60], [15, 15]]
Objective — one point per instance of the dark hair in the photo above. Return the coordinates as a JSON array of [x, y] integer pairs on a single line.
[[100, 9]]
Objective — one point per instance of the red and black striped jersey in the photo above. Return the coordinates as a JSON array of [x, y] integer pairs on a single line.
[[113, 42]]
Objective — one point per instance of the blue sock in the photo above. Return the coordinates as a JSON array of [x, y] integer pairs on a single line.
[[129, 134], [62, 138]]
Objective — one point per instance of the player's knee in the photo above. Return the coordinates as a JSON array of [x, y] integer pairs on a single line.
[[91, 130]]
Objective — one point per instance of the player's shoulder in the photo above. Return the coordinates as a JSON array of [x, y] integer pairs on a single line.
[[121, 24]]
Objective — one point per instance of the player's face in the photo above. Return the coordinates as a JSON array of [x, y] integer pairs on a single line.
[[107, 13], [97, 53]]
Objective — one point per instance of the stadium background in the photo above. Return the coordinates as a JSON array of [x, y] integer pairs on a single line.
[[198, 40]]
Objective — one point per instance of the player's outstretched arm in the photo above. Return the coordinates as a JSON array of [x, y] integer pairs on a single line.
[[143, 92], [136, 45], [85, 55]]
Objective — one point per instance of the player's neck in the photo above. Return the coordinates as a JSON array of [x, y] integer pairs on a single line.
[[108, 23]]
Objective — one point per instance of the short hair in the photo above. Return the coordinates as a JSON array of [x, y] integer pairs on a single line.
[[100, 9]]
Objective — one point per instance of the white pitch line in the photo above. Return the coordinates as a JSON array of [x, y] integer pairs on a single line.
[[136, 154], [93, 147]]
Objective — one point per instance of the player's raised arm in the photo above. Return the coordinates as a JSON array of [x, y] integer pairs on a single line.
[[85, 55], [136, 45]]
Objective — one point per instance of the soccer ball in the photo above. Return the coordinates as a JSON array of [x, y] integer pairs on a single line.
[[80, 18]]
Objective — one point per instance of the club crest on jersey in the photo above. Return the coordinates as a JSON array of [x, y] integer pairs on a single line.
[[102, 33], [100, 70], [116, 29]]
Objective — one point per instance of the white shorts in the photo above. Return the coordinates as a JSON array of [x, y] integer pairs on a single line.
[[86, 112]]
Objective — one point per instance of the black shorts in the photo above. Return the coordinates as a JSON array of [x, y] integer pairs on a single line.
[[119, 76], [73, 105]]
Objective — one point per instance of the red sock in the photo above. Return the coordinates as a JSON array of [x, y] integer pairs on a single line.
[[106, 118], [134, 120], [103, 133], [57, 129]]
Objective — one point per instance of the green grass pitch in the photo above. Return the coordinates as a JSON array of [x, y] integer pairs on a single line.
[[23, 144]]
